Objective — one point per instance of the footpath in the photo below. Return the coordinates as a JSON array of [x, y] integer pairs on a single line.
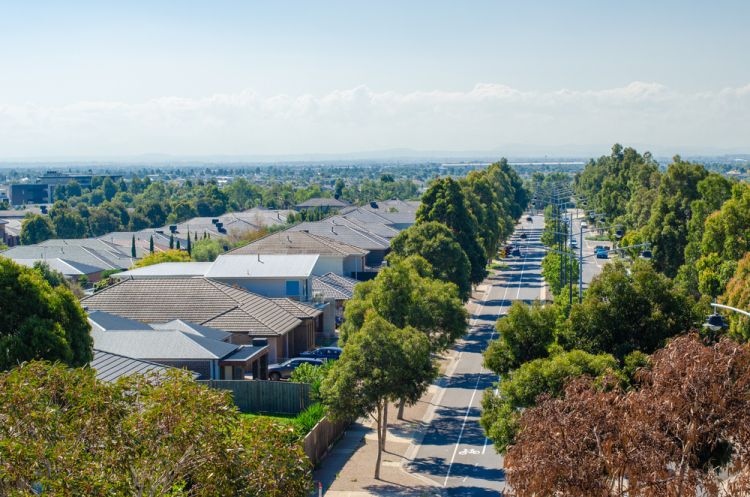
[[349, 468]]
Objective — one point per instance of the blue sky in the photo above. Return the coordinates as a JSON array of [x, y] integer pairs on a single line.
[[221, 77]]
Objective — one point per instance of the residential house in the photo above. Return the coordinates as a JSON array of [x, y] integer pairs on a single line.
[[111, 367], [335, 289], [333, 256], [72, 270], [85, 254], [342, 230], [324, 204], [200, 349], [210, 303]]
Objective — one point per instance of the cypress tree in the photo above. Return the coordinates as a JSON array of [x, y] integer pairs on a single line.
[[171, 242], [151, 244], [189, 245], [132, 247]]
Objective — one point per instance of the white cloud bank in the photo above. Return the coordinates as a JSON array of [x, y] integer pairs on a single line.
[[489, 116]]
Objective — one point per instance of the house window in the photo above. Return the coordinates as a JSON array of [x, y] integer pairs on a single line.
[[292, 288]]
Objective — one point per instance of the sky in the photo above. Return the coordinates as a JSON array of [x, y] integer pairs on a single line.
[[251, 78]]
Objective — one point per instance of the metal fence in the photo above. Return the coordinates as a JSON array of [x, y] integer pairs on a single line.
[[272, 397], [322, 437]]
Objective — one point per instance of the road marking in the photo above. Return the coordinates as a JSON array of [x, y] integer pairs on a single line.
[[479, 377], [463, 426]]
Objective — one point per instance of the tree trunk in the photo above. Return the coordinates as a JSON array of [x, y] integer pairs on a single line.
[[385, 426], [401, 404], [380, 446]]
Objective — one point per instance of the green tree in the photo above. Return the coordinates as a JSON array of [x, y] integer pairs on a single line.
[[737, 294], [207, 250], [151, 244], [39, 321], [36, 229], [165, 256], [524, 334], [132, 247], [445, 202], [71, 434], [627, 309], [501, 409], [405, 295], [380, 364], [551, 266], [102, 221], [438, 245], [667, 229], [67, 223]]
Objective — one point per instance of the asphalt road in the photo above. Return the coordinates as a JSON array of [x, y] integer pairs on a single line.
[[454, 453], [591, 265]]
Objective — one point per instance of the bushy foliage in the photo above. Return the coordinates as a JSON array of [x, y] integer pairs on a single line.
[[165, 256], [70, 434], [38, 320]]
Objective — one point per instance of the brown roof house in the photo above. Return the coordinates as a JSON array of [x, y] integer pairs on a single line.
[[289, 326], [333, 256]]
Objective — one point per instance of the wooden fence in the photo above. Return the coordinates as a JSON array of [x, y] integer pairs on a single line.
[[272, 397], [322, 437]]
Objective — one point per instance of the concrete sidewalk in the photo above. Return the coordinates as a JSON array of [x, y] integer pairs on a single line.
[[348, 470]]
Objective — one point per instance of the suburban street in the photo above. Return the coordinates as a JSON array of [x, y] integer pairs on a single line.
[[591, 265], [454, 453]]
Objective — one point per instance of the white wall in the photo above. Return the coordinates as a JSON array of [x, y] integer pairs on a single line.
[[329, 264], [273, 288]]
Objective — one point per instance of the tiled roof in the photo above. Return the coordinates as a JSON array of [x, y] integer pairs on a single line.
[[344, 231], [197, 300], [298, 309], [100, 256], [333, 286], [321, 202], [298, 242], [111, 367], [67, 268]]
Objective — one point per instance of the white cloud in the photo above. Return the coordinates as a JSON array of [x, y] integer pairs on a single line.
[[485, 117]]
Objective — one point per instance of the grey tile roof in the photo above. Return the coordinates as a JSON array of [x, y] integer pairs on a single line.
[[68, 268], [89, 251], [198, 300], [341, 230], [321, 202], [298, 309], [298, 242], [111, 367], [333, 286]]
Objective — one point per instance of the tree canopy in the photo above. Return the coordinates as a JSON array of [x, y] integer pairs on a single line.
[[39, 321], [438, 245], [68, 434]]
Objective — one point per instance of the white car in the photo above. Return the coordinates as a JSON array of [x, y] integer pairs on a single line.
[[584, 225]]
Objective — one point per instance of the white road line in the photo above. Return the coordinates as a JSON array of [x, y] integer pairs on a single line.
[[479, 377], [463, 425]]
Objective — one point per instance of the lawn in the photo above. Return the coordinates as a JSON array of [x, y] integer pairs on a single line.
[[302, 422]]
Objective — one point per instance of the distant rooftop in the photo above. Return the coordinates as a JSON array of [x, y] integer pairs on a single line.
[[321, 202]]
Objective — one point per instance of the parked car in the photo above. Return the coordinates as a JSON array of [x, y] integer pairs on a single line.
[[285, 369], [325, 353]]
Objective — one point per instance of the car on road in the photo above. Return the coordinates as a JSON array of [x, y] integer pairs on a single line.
[[530, 219], [516, 252], [524, 236], [325, 353], [602, 253], [584, 224], [285, 369]]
